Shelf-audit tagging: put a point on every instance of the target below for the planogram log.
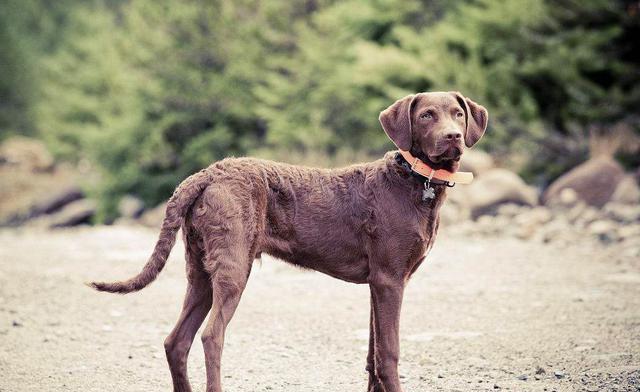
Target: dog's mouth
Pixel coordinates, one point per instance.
(451, 154)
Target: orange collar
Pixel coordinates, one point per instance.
(424, 170)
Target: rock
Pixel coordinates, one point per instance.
(535, 216)
(594, 181)
(76, 213)
(47, 205)
(627, 191)
(27, 153)
(540, 370)
(624, 213)
(153, 217)
(567, 198)
(577, 211)
(448, 214)
(602, 226)
(523, 377)
(125, 222)
(529, 220)
(509, 210)
(557, 231)
(455, 209)
(476, 161)
(559, 374)
(629, 232)
(587, 216)
(581, 215)
(605, 230)
(130, 207)
(57, 201)
(497, 187)
(486, 225)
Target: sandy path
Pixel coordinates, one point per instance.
(479, 315)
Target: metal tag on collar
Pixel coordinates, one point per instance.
(428, 192)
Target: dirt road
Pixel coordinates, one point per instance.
(479, 315)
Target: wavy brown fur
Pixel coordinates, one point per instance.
(366, 223)
(177, 207)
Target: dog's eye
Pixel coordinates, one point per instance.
(427, 115)
(459, 114)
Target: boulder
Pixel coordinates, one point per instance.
(48, 204)
(586, 216)
(27, 153)
(452, 213)
(627, 191)
(558, 230)
(567, 198)
(130, 207)
(594, 182)
(56, 201)
(511, 210)
(497, 187)
(529, 220)
(153, 217)
(534, 216)
(476, 161)
(623, 213)
(73, 214)
(629, 232)
(605, 230)
(30, 183)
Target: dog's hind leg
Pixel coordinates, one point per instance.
(231, 268)
(197, 303)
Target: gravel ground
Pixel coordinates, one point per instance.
(479, 315)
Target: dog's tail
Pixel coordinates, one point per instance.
(177, 207)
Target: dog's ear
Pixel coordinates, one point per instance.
(476, 117)
(396, 122)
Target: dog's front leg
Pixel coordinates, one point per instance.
(386, 295)
(374, 383)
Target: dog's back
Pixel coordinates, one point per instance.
(314, 218)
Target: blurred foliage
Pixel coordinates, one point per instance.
(150, 91)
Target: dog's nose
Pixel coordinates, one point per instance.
(452, 135)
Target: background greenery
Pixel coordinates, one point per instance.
(148, 91)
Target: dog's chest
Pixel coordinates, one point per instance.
(424, 229)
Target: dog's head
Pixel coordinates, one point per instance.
(433, 126)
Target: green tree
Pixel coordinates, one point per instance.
(150, 91)
(549, 75)
(28, 30)
(326, 92)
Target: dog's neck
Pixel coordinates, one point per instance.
(414, 184)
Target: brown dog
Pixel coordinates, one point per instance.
(367, 223)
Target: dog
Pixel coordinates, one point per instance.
(369, 223)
